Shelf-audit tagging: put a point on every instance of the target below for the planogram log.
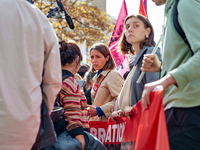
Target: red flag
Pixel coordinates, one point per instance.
(142, 9)
(119, 27)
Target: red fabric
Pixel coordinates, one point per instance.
(95, 87)
(147, 129)
(119, 27)
(142, 9)
(109, 133)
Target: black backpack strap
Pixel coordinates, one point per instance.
(178, 27)
(65, 76)
(57, 101)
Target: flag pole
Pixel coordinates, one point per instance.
(153, 52)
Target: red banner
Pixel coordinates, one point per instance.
(109, 133)
(147, 129)
(119, 27)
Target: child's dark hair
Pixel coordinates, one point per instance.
(89, 76)
(83, 69)
(69, 51)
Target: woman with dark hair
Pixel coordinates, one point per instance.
(73, 101)
(138, 40)
(88, 86)
(107, 83)
(144, 36)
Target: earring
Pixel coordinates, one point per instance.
(147, 36)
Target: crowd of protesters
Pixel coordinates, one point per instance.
(38, 69)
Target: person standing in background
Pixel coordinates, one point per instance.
(81, 72)
(88, 86)
(29, 57)
(83, 69)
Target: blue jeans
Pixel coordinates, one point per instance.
(67, 142)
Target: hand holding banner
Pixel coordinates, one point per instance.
(147, 129)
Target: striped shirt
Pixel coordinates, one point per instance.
(73, 100)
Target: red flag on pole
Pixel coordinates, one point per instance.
(142, 9)
(119, 27)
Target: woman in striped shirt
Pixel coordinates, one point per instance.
(71, 96)
(73, 100)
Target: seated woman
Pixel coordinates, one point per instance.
(107, 83)
(72, 99)
(137, 39)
